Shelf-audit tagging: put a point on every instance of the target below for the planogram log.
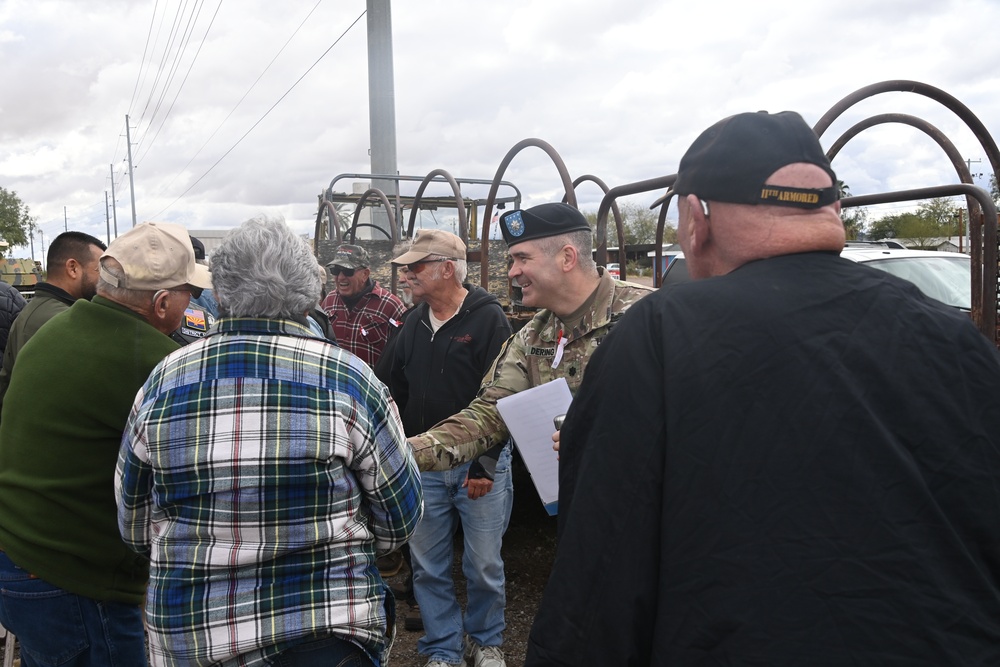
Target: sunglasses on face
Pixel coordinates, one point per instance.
(417, 267)
(337, 270)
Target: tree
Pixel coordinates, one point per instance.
(16, 221)
(854, 218)
(994, 189)
(934, 218)
(638, 223)
(942, 213)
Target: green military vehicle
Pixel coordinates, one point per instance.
(23, 274)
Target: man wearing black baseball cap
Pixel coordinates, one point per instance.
(791, 477)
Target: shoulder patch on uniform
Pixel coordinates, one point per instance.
(195, 319)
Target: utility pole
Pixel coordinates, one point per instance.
(107, 219)
(381, 105)
(968, 163)
(114, 207)
(131, 182)
(31, 238)
(41, 247)
(65, 221)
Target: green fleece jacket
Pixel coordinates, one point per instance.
(70, 394)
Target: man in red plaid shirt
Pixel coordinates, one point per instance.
(361, 312)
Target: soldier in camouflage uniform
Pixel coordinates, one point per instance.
(550, 246)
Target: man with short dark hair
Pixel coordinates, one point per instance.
(72, 274)
(71, 588)
(791, 460)
(361, 311)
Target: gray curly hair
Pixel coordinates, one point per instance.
(262, 269)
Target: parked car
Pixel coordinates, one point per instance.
(945, 276)
(614, 270)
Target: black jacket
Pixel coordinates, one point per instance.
(803, 471)
(11, 303)
(435, 375)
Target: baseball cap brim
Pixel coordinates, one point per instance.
(201, 277)
(411, 257)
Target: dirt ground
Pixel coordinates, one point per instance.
(528, 552)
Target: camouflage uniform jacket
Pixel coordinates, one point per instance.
(525, 361)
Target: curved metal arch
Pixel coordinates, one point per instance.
(913, 121)
(964, 175)
(394, 237)
(906, 86)
(463, 220)
(986, 320)
(638, 187)
(484, 273)
(989, 240)
(602, 223)
(661, 222)
(325, 205)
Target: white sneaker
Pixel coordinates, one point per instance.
(487, 656)
(442, 663)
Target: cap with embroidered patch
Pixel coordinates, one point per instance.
(350, 257)
(732, 160)
(541, 221)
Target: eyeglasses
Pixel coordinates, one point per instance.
(704, 207)
(337, 270)
(417, 267)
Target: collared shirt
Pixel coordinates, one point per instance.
(364, 328)
(526, 361)
(261, 469)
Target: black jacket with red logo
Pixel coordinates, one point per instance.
(435, 375)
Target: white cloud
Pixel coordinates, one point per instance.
(618, 89)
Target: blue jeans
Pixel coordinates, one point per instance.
(56, 627)
(484, 522)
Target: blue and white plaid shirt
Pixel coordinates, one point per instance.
(262, 469)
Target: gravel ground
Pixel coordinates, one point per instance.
(528, 551)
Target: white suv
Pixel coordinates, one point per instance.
(945, 276)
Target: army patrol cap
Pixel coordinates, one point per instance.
(155, 256)
(350, 257)
(432, 242)
(539, 222)
(732, 160)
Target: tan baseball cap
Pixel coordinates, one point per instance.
(154, 256)
(432, 242)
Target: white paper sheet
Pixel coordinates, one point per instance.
(528, 415)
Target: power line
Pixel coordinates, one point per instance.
(163, 60)
(266, 113)
(145, 50)
(181, 87)
(249, 90)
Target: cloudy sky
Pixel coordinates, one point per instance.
(236, 111)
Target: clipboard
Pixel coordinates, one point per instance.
(528, 415)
